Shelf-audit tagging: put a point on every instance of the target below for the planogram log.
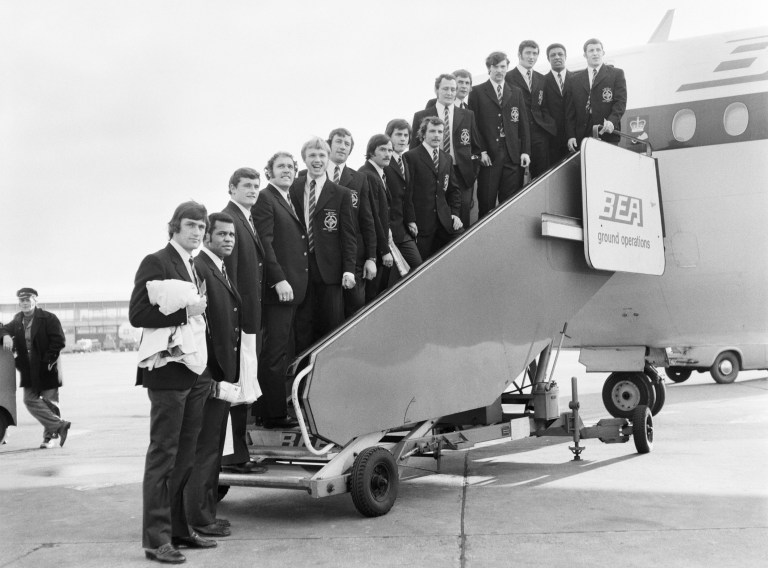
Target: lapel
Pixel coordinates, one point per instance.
(217, 273)
(490, 91)
(457, 114)
(297, 196)
(178, 263)
(380, 182)
(427, 159)
(520, 80)
(346, 177)
(396, 168)
(35, 324)
(283, 203)
(506, 97)
(327, 192)
(600, 76)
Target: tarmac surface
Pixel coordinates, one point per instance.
(700, 498)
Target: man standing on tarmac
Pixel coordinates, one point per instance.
(37, 337)
(598, 97)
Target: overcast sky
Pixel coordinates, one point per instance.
(113, 112)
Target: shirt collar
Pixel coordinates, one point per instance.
(214, 257)
(332, 168)
(429, 148)
(281, 192)
(457, 102)
(246, 212)
(524, 71)
(376, 166)
(185, 256)
(320, 182)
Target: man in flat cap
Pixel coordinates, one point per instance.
(37, 337)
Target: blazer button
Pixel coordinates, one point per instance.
(235, 309)
(237, 329)
(235, 347)
(302, 236)
(305, 254)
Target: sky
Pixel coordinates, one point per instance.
(113, 112)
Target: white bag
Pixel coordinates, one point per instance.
(249, 382)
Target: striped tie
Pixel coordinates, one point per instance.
(589, 105)
(528, 78)
(336, 175)
(447, 132)
(310, 237)
(436, 158)
(402, 167)
(250, 222)
(560, 82)
(499, 93)
(194, 274)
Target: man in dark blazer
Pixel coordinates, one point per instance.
(326, 210)
(503, 132)
(37, 337)
(540, 123)
(287, 274)
(402, 218)
(460, 140)
(224, 319)
(341, 143)
(556, 84)
(436, 195)
(377, 154)
(598, 97)
(176, 393)
(245, 267)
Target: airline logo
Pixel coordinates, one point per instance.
(622, 209)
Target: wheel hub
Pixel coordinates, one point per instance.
(726, 367)
(626, 395)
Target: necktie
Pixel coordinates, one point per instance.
(447, 131)
(589, 105)
(499, 93)
(384, 178)
(463, 105)
(560, 82)
(400, 164)
(336, 175)
(528, 78)
(310, 238)
(194, 273)
(436, 158)
(594, 74)
(224, 273)
(250, 222)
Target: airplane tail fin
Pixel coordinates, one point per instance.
(661, 34)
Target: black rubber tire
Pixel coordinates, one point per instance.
(625, 391)
(642, 429)
(660, 389)
(374, 481)
(720, 368)
(222, 492)
(678, 374)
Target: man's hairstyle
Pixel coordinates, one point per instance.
(398, 124)
(375, 141)
(343, 132)
(241, 173)
(591, 41)
(439, 79)
(314, 143)
(187, 210)
(220, 217)
(527, 43)
(463, 73)
(495, 58)
(271, 162)
(555, 46)
(426, 122)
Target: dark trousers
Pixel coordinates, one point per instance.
(354, 298)
(558, 149)
(201, 493)
(322, 310)
(175, 419)
(466, 197)
(377, 284)
(277, 351)
(429, 245)
(239, 415)
(500, 180)
(540, 140)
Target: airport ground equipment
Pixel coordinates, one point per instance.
(722, 362)
(430, 365)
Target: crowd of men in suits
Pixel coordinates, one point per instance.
(282, 266)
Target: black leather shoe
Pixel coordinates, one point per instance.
(247, 467)
(193, 541)
(276, 423)
(63, 431)
(214, 529)
(223, 522)
(166, 553)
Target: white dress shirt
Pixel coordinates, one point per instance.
(185, 256)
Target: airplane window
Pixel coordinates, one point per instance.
(684, 125)
(736, 118)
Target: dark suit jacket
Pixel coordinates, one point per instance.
(47, 342)
(555, 103)
(362, 214)
(436, 195)
(464, 137)
(332, 229)
(165, 264)
(401, 201)
(245, 267)
(380, 200)
(224, 318)
(607, 99)
(535, 99)
(284, 239)
(488, 116)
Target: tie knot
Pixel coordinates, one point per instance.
(312, 184)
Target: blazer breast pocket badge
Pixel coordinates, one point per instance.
(515, 115)
(354, 198)
(465, 136)
(541, 96)
(331, 221)
(445, 182)
(607, 95)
